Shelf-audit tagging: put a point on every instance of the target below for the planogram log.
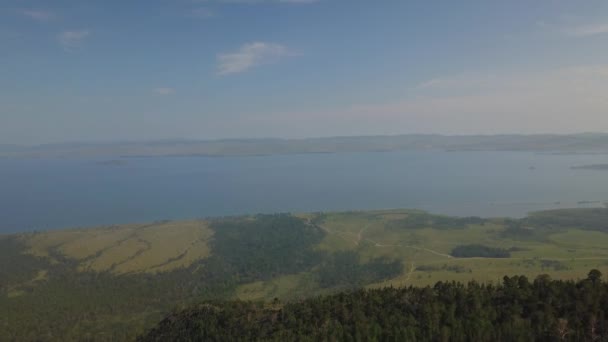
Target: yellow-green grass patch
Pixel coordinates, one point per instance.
(174, 244)
(113, 257)
(95, 241)
(286, 287)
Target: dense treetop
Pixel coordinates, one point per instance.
(516, 310)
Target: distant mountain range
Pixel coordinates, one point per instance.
(548, 143)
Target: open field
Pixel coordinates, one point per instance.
(563, 253)
(125, 249)
(425, 251)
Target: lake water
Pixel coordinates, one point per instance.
(47, 194)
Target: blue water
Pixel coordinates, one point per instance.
(47, 194)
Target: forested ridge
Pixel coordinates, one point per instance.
(516, 310)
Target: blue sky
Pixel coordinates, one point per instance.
(205, 69)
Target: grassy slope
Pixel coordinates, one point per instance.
(369, 234)
(564, 253)
(126, 249)
(168, 245)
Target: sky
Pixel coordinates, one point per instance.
(118, 70)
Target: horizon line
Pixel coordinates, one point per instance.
(253, 139)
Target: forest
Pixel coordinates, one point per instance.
(479, 251)
(515, 310)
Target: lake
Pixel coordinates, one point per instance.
(47, 194)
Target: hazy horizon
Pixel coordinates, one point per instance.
(216, 69)
(278, 138)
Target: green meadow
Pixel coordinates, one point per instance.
(118, 281)
(561, 252)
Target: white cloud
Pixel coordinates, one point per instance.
(451, 82)
(164, 91)
(564, 100)
(39, 15)
(587, 30)
(251, 55)
(72, 39)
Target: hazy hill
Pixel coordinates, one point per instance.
(578, 143)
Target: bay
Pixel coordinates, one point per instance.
(42, 194)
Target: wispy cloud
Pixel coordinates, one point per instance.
(72, 39)
(564, 100)
(164, 91)
(38, 15)
(251, 55)
(587, 30)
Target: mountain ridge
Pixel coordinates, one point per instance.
(572, 143)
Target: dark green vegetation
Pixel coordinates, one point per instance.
(599, 167)
(345, 270)
(260, 249)
(577, 143)
(114, 283)
(69, 304)
(16, 267)
(516, 310)
(479, 251)
(426, 220)
(588, 219)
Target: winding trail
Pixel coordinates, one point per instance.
(410, 272)
(377, 244)
(360, 235)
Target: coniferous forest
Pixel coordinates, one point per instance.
(516, 310)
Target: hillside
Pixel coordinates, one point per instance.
(116, 282)
(515, 310)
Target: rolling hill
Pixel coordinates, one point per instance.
(116, 282)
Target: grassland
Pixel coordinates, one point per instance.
(562, 253)
(144, 270)
(125, 249)
(425, 251)
(567, 253)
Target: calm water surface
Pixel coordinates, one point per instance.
(48, 194)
